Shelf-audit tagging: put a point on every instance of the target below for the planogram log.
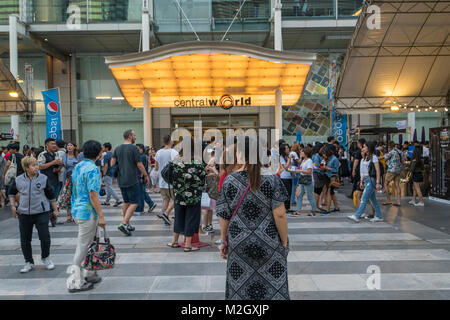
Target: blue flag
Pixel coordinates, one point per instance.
(52, 113)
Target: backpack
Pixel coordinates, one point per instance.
(212, 187)
(167, 173)
(12, 172)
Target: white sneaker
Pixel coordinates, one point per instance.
(27, 268)
(353, 217)
(48, 263)
(376, 219)
(419, 204)
(412, 202)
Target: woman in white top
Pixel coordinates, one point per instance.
(305, 181)
(286, 177)
(370, 182)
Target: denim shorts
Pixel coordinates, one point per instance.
(130, 194)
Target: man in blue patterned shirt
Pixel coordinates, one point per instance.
(394, 168)
(87, 212)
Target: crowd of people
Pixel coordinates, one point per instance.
(251, 199)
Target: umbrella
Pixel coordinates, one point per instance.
(400, 139)
(415, 135)
(423, 135)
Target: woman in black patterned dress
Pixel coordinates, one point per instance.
(257, 239)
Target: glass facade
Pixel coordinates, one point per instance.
(90, 11)
(304, 9)
(211, 15)
(100, 115)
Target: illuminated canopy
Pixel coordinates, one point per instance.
(405, 63)
(200, 73)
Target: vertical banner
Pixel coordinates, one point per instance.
(333, 113)
(52, 113)
(341, 129)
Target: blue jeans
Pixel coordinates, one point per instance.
(369, 194)
(109, 189)
(309, 189)
(294, 186)
(143, 196)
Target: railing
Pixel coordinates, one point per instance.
(307, 9)
(8, 7)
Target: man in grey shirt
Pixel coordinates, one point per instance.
(129, 161)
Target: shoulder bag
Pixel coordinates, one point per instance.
(225, 243)
(12, 171)
(305, 179)
(100, 255)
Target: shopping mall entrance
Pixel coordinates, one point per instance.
(204, 75)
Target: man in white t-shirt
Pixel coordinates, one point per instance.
(162, 158)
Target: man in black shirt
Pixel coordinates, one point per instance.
(129, 164)
(49, 166)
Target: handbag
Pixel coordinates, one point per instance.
(305, 179)
(225, 243)
(334, 181)
(12, 171)
(100, 255)
(206, 201)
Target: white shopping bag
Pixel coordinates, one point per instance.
(205, 200)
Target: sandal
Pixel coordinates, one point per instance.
(335, 210)
(397, 205)
(173, 245)
(189, 249)
(387, 203)
(70, 220)
(311, 214)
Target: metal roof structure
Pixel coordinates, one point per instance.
(9, 104)
(405, 63)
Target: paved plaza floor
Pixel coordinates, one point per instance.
(330, 257)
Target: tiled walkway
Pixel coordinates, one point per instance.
(329, 259)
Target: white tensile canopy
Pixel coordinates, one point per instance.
(405, 63)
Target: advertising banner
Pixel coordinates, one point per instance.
(52, 113)
(341, 129)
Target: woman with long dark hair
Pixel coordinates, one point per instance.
(286, 176)
(370, 182)
(69, 161)
(417, 168)
(254, 225)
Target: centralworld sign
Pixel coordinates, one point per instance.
(226, 102)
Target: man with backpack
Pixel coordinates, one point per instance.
(108, 176)
(394, 164)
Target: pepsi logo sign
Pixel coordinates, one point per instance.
(52, 108)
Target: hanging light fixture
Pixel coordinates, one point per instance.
(395, 108)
